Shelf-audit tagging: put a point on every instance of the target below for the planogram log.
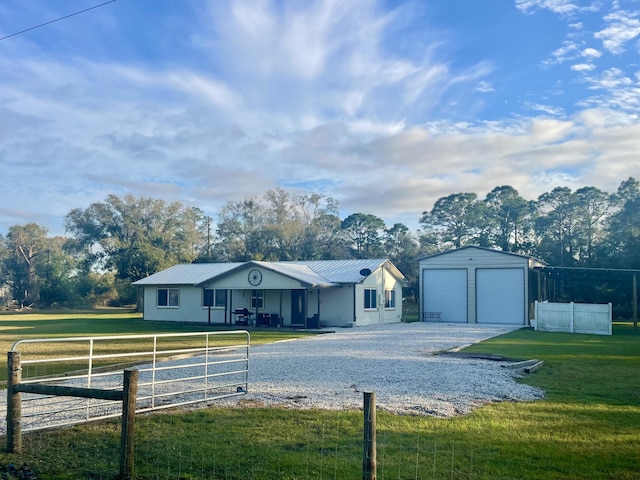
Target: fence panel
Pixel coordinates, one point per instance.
(553, 317)
(573, 317)
(593, 318)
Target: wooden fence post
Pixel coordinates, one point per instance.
(14, 403)
(127, 438)
(369, 466)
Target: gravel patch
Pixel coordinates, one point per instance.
(398, 362)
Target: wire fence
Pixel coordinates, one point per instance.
(201, 445)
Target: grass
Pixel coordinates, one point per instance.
(587, 427)
(578, 368)
(14, 327)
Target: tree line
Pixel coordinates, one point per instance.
(112, 243)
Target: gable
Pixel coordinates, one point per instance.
(478, 256)
(269, 276)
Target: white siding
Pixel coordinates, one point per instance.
(190, 309)
(336, 306)
(392, 315)
(380, 280)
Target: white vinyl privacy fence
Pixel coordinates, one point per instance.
(594, 318)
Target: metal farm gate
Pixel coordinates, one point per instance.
(173, 370)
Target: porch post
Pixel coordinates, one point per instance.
(306, 309)
(257, 304)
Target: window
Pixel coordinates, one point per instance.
(389, 299)
(370, 298)
(257, 299)
(214, 298)
(168, 297)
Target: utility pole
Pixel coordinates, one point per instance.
(208, 237)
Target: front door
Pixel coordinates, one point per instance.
(298, 307)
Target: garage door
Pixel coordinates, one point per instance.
(500, 295)
(445, 291)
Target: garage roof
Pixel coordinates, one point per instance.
(535, 262)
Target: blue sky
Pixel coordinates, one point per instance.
(385, 106)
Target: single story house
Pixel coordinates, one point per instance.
(476, 285)
(303, 294)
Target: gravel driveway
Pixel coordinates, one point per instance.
(396, 361)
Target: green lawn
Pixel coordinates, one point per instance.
(587, 427)
(14, 327)
(589, 369)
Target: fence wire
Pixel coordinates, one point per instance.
(208, 444)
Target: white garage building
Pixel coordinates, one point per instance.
(475, 285)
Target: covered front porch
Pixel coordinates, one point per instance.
(276, 308)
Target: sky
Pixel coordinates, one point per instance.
(384, 106)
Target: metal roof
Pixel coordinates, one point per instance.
(475, 247)
(343, 271)
(314, 273)
(188, 274)
(302, 273)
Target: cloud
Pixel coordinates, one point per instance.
(611, 79)
(217, 93)
(362, 103)
(298, 64)
(622, 27)
(562, 54)
(294, 39)
(549, 131)
(547, 109)
(561, 7)
(591, 53)
(612, 90)
(583, 67)
(484, 87)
